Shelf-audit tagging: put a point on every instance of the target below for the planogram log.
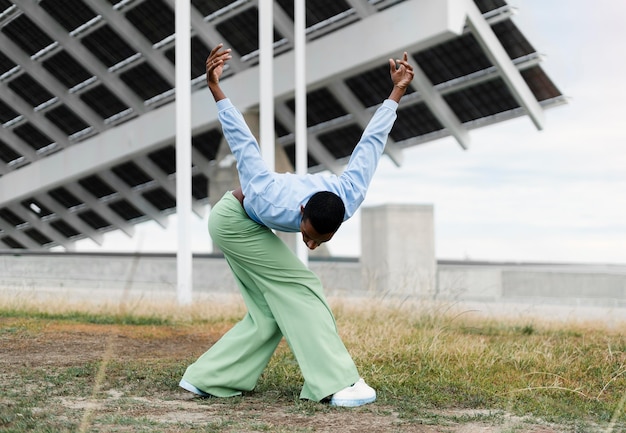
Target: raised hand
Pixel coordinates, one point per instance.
(215, 64)
(214, 68)
(401, 72)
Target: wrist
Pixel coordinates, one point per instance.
(216, 91)
(397, 93)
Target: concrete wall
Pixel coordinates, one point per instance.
(154, 275)
(591, 285)
(145, 275)
(398, 249)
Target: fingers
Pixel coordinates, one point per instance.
(395, 65)
(217, 57)
(215, 50)
(405, 62)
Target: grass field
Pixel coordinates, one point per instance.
(82, 368)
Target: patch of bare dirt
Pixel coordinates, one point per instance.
(68, 344)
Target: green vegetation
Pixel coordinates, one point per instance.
(428, 367)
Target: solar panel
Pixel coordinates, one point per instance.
(540, 84)
(199, 54)
(32, 136)
(27, 35)
(322, 106)
(341, 142)
(66, 120)
(37, 236)
(316, 10)
(207, 143)
(12, 243)
(126, 210)
(11, 217)
(160, 199)
(107, 46)
(452, 59)
(200, 187)
(165, 159)
(131, 174)
(512, 40)
(93, 219)
(103, 101)
(483, 100)
(64, 228)
(5, 4)
(36, 208)
(154, 19)
(243, 31)
(208, 7)
(96, 186)
(6, 64)
(71, 14)
(64, 197)
(66, 69)
(6, 112)
(414, 121)
(290, 150)
(7, 154)
(372, 86)
(488, 5)
(30, 90)
(145, 81)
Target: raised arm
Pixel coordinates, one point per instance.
(253, 171)
(365, 156)
(214, 68)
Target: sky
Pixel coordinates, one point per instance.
(517, 194)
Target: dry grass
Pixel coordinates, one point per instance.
(429, 363)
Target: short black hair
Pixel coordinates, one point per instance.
(325, 211)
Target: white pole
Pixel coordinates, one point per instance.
(183, 151)
(266, 72)
(300, 85)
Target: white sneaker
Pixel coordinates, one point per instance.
(189, 387)
(356, 395)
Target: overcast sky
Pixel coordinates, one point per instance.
(517, 194)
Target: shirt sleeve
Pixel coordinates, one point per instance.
(254, 175)
(356, 178)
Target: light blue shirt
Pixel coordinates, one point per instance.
(274, 199)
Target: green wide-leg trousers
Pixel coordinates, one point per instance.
(283, 298)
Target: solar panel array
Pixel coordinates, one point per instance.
(72, 69)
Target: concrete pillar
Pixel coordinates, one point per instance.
(398, 250)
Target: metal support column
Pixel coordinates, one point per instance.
(183, 152)
(301, 110)
(266, 72)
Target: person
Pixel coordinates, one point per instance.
(282, 296)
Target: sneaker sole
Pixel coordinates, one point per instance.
(189, 387)
(352, 403)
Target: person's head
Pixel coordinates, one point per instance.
(321, 217)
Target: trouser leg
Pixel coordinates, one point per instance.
(235, 362)
(285, 297)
